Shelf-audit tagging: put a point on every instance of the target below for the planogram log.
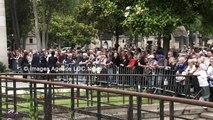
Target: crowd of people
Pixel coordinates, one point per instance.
(192, 61)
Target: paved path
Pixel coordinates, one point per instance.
(24, 85)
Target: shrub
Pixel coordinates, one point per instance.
(2, 67)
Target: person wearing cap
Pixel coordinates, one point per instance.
(162, 61)
(152, 63)
(84, 59)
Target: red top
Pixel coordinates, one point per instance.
(132, 63)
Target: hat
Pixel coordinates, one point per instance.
(84, 54)
(161, 56)
(151, 56)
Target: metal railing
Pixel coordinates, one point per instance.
(152, 83)
(42, 97)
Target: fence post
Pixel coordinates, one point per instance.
(171, 110)
(99, 104)
(161, 110)
(31, 99)
(130, 109)
(1, 100)
(14, 96)
(77, 91)
(87, 92)
(49, 100)
(6, 93)
(72, 103)
(45, 103)
(91, 84)
(139, 103)
(35, 102)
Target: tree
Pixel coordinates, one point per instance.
(162, 17)
(37, 34)
(66, 29)
(105, 15)
(18, 19)
(48, 8)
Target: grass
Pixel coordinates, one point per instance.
(26, 106)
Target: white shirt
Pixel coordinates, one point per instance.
(202, 78)
(207, 61)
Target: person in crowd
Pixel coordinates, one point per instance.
(127, 60)
(181, 65)
(170, 54)
(137, 53)
(43, 64)
(116, 59)
(152, 62)
(123, 64)
(210, 78)
(171, 64)
(132, 61)
(142, 63)
(110, 68)
(35, 64)
(162, 61)
(124, 61)
(191, 67)
(25, 65)
(203, 82)
(209, 54)
(52, 63)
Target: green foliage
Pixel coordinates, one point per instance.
(68, 30)
(104, 15)
(2, 67)
(147, 16)
(150, 17)
(24, 17)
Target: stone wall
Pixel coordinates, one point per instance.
(3, 34)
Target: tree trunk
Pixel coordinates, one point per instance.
(136, 41)
(159, 40)
(37, 35)
(166, 43)
(47, 41)
(24, 42)
(117, 39)
(49, 15)
(14, 37)
(44, 25)
(17, 36)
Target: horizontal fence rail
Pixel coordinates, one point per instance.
(169, 84)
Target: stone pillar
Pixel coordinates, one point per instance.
(3, 34)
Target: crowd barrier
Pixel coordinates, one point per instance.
(151, 80)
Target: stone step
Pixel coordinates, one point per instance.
(189, 117)
(210, 109)
(207, 115)
(190, 112)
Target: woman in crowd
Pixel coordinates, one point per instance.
(210, 78)
(203, 82)
(25, 64)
